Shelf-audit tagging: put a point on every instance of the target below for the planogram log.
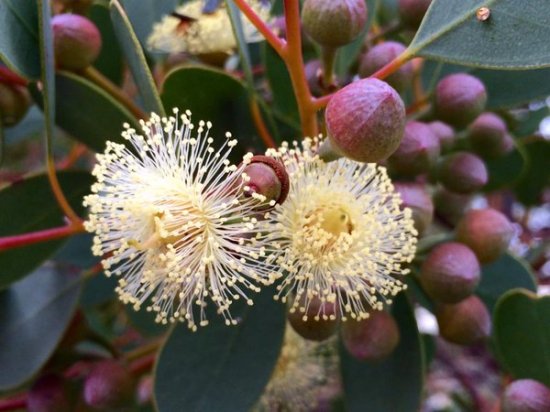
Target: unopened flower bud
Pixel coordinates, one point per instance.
(267, 177)
(412, 11)
(416, 197)
(487, 232)
(464, 323)
(450, 273)
(526, 395)
(314, 77)
(365, 121)
(334, 23)
(489, 136)
(451, 206)
(109, 384)
(49, 394)
(459, 99)
(317, 323)
(463, 172)
(445, 134)
(14, 103)
(371, 339)
(77, 41)
(382, 54)
(418, 150)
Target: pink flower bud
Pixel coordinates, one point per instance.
(382, 54)
(463, 172)
(464, 323)
(49, 394)
(489, 136)
(412, 11)
(14, 103)
(526, 395)
(317, 323)
(416, 197)
(109, 384)
(445, 134)
(268, 177)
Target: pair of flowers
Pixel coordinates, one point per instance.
(173, 220)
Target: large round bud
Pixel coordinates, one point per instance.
(109, 385)
(365, 121)
(371, 339)
(77, 41)
(318, 323)
(445, 134)
(49, 394)
(451, 206)
(416, 197)
(418, 150)
(14, 104)
(487, 232)
(334, 23)
(459, 99)
(526, 395)
(412, 11)
(382, 54)
(463, 172)
(267, 177)
(489, 136)
(450, 273)
(464, 323)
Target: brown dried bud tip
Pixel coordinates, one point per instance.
(417, 152)
(450, 273)
(445, 134)
(372, 339)
(317, 323)
(526, 395)
(77, 41)
(465, 323)
(382, 54)
(459, 99)
(489, 136)
(463, 172)
(412, 11)
(49, 394)
(267, 177)
(487, 232)
(14, 103)
(334, 23)
(365, 121)
(108, 385)
(416, 197)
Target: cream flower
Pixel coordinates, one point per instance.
(340, 236)
(202, 33)
(170, 219)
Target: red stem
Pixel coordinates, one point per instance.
(142, 365)
(9, 77)
(392, 66)
(25, 239)
(13, 404)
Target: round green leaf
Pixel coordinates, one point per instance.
(522, 334)
(28, 206)
(504, 171)
(34, 314)
(219, 367)
(506, 273)
(537, 175)
(514, 37)
(19, 39)
(394, 384)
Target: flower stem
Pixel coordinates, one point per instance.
(100, 80)
(260, 124)
(328, 55)
(11, 242)
(143, 350)
(56, 189)
(393, 66)
(142, 365)
(13, 404)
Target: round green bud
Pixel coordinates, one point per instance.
(14, 104)
(365, 121)
(417, 152)
(334, 23)
(318, 323)
(526, 395)
(445, 134)
(382, 54)
(371, 339)
(489, 136)
(412, 12)
(463, 172)
(487, 232)
(464, 323)
(267, 177)
(450, 206)
(416, 197)
(450, 273)
(49, 394)
(77, 41)
(108, 385)
(459, 99)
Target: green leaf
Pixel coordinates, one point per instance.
(394, 384)
(529, 123)
(101, 121)
(514, 37)
(144, 321)
(537, 176)
(522, 335)
(505, 171)
(136, 59)
(47, 72)
(219, 367)
(34, 314)
(145, 13)
(497, 278)
(19, 40)
(28, 206)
